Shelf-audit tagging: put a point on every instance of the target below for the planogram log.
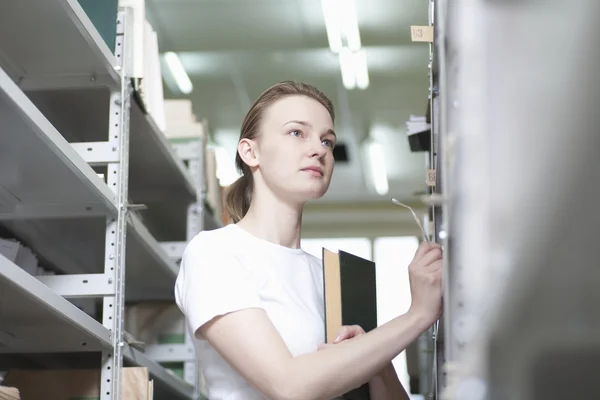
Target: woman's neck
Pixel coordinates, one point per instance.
(272, 219)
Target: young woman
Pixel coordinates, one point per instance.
(253, 299)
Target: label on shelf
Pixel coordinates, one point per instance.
(421, 33)
(430, 181)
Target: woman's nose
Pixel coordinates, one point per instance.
(317, 149)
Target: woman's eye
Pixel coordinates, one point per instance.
(296, 133)
(328, 143)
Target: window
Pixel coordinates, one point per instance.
(392, 256)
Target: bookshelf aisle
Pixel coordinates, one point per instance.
(93, 195)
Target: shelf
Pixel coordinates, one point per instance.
(166, 385)
(28, 308)
(157, 178)
(39, 170)
(53, 43)
(77, 245)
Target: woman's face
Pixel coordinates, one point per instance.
(295, 148)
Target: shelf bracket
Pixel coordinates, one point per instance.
(163, 353)
(80, 285)
(97, 153)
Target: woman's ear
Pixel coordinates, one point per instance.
(248, 151)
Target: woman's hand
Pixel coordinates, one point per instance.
(346, 332)
(425, 275)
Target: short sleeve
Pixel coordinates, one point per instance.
(212, 282)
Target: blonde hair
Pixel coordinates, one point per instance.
(239, 194)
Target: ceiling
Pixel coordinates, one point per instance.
(234, 49)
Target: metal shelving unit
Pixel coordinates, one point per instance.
(88, 181)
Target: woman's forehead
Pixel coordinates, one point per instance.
(298, 108)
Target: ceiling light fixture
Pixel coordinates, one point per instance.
(333, 24)
(181, 77)
(347, 68)
(354, 69)
(341, 24)
(377, 168)
(361, 69)
(347, 11)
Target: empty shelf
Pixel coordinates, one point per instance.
(53, 43)
(40, 173)
(28, 308)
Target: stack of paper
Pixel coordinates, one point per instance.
(417, 124)
(20, 255)
(146, 62)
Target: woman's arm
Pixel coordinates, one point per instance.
(385, 385)
(250, 343)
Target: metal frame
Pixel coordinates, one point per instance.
(116, 230)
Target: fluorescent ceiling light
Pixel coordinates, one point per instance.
(347, 67)
(350, 24)
(377, 167)
(361, 70)
(181, 77)
(341, 22)
(355, 72)
(333, 24)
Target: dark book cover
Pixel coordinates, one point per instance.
(350, 299)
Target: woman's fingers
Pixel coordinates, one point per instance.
(431, 256)
(425, 248)
(348, 332)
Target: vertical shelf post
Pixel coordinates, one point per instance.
(115, 247)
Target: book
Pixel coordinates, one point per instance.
(349, 284)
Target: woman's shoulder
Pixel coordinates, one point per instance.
(215, 241)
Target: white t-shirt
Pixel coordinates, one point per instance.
(229, 269)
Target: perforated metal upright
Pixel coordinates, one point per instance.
(116, 236)
(114, 154)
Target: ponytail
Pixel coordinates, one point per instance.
(238, 197)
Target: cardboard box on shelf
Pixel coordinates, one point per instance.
(9, 393)
(80, 383)
(180, 120)
(148, 322)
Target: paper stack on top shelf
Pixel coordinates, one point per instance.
(181, 123)
(22, 256)
(145, 65)
(417, 124)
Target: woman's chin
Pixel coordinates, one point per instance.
(314, 193)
